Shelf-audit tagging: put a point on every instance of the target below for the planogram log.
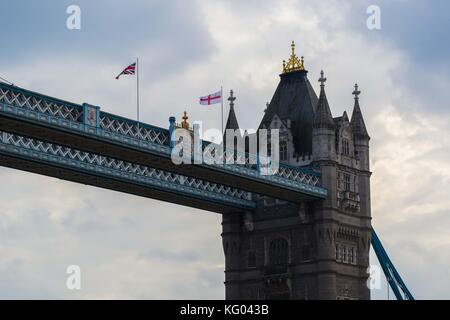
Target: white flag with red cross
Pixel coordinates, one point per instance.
(211, 98)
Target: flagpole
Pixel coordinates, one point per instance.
(137, 94)
(221, 100)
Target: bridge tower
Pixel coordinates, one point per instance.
(316, 249)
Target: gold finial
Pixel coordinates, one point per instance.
(185, 123)
(294, 63)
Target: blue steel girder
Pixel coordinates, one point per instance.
(394, 279)
(87, 128)
(63, 162)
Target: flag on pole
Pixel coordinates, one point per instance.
(131, 69)
(211, 98)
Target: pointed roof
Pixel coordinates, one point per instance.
(341, 121)
(357, 122)
(232, 122)
(294, 100)
(345, 116)
(323, 117)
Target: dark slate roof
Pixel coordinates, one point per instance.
(357, 122)
(323, 117)
(232, 122)
(296, 100)
(337, 120)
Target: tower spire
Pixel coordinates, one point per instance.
(357, 122)
(323, 117)
(232, 122)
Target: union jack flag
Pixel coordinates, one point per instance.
(131, 69)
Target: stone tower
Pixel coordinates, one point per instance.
(312, 250)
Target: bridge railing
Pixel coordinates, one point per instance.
(43, 104)
(138, 130)
(83, 114)
(252, 164)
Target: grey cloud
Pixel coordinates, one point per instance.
(170, 256)
(169, 35)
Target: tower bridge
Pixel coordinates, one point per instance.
(301, 233)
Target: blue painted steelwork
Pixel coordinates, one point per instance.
(30, 106)
(62, 115)
(97, 165)
(393, 277)
(299, 179)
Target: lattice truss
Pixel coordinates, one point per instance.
(291, 173)
(128, 168)
(297, 174)
(73, 112)
(132, 129)
(40, 104)
(231, 157)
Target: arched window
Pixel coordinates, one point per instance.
(345, 147)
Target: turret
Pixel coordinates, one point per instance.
(324, 135)
(232, 122)
(361, 140)
(360, 136)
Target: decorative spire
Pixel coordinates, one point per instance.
(294, 63)
(356, 92)
(232, 122)
(231, 98)
(185, 123)
(323, 117)
(322, 80)
(357, 122)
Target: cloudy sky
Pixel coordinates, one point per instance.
(130, 247)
